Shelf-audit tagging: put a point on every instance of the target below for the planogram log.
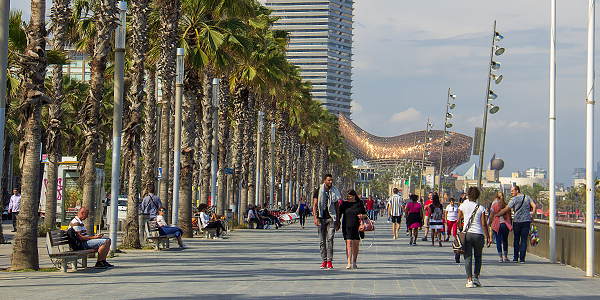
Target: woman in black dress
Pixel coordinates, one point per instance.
(351, 211)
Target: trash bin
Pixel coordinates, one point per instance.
(142, 219)
(229, 215)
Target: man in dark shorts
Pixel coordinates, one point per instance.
(395, 209)
(91, 242)
(326, 211)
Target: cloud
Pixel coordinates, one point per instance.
(408, 115)
(355, 107)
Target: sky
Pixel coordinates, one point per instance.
(407, 53)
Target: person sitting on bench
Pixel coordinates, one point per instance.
(165, 229)
(91, 242)
(207, 223)
(253, 217)
(267, 215)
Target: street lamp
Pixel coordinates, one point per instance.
(259, 132)
(490, 95)
(177, 151)
(119, 76)
(446, 135)
(425, 151)
(273, 136)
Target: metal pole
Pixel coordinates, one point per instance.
(298, 175)
(485, 113)
(291, 167)
(423, 160)
(443, 142)
(283, 171)
(4, 14)
(177, 149)
(589, 156)
(552, 146)
(215, 142)
(119, 75)
(272, 191)
(259, 132)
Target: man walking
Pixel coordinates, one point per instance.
(326, 212)
(523, 207)
(395, 209)
(151, 203)
(370, 204)
(14, 206)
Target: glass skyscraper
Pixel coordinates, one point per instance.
(321, 45)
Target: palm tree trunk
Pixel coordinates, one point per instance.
(133, 129)
(224, 123)
(89, 122)
(169, 13)
(60, 18)
(149, 140)
(196, 176)
(251, 140)
(237, 145)
(25, 249)
(207, 135)
(188, 137)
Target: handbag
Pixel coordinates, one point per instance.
(459, 241)
(366, 225)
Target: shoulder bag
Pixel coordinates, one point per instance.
(459, 241)
(366, 224)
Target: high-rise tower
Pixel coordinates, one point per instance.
(321, 45)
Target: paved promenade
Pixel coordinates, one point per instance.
(284, 264)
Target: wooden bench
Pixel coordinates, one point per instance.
(153, 235)
(59, 240)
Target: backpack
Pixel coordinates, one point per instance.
(437, 213)
(73, 239)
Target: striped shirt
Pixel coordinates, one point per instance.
(78, 226)
(395, 204)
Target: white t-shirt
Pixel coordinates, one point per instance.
(452, 212)
(467, 208)
(78, 226)
(204, 219)
(160, 220)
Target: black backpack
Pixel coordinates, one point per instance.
(74, 240)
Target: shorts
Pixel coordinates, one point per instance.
(396, 219)
(94, 243)
(426, 225)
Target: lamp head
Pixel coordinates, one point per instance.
(452, 106)
(448, 125)
(448, 143)
(497, 78)
(492, 95)
(452, 96)
(495, 66)
(449, 115)
(494, 109)
(498, 37)
(499, 51)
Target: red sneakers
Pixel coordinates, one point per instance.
(329, 265)
(324, 265)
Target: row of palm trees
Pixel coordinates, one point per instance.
(232, 40)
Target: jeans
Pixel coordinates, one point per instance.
(502, 239)
(302, 216)
(370, 214)
(473, 242)
(15, 214)
(326, 233)
(521, 232)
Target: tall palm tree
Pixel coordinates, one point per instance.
(89, 119)
(33, 62)
(60, 18)
(169, 14)
(133, 129)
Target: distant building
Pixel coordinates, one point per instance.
(321, 45)
(578, 173)
(536, 173)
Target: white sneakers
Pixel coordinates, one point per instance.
(474, 283)
(470, 284)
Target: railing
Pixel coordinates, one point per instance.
(570, 243)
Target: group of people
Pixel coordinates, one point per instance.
(262, 217)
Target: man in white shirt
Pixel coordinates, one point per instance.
(91, 242)
(395, 208)
(14, 206)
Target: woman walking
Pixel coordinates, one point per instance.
(351, 211)
(436, 220)
(302, 211)
(414, 219)
(501, 225)
(477, 234)
(451, 217)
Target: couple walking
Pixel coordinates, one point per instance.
(327, 213)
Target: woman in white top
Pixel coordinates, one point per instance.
(477, 234)
(206, 223)
(165, 229)
(451, 215)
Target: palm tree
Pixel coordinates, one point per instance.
(33, 62)
(133, 128)
(169, 13)
(60, 18)
(89, 119)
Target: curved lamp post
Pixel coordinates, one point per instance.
(425, 151)
(447, 125)
(490, 95)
